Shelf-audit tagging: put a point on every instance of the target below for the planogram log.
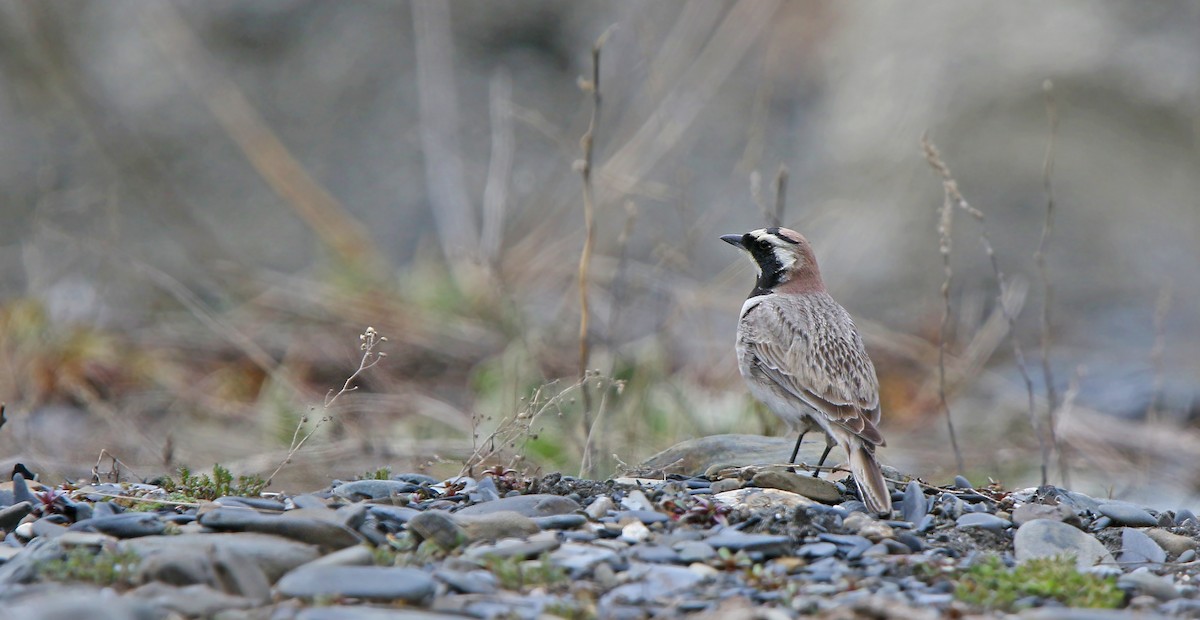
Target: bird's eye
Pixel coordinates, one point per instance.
(764, 244)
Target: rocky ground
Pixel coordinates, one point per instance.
(731, 542)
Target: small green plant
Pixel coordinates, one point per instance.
(383, 473)
(991, 585)
(106, 567)
(222, 484)
(513, 573)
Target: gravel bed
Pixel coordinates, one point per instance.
(761, 542)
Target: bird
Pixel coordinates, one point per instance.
(801, 355)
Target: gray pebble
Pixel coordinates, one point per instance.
(1046, 538)
(655, 554)
(961, 482)
(126, 525)
(417, 479)
(1100, 524)
(735, 541)
(440, 527)
(982, 520)
(477, 581)
(366, 582)
(913, 507)
(1138, 549)
(1146, 582)
(560, 522)
(292, 524)
(694, 551)
(1186, 556)
(926, 524)
(372, 489)
(817, 550)
(10, 516)
(645, 516)
(1127, 514)
(537, 505)
(1183, 515)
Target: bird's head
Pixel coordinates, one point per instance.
(783, 257)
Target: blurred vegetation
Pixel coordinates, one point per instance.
(992, 585)
(213, 199)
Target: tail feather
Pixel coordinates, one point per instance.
(871, 485)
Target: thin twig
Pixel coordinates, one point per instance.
(1039, 257)
(370, 340)
(781, 183)
(587, 144)
(955, 197)
(945, 227)
(500, 164)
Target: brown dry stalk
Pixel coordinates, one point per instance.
(955, 198)
(369, 341)
(945, 226)
(1039, 258)
(587, 144)
(1162, 306)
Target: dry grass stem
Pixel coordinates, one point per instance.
(369, 341)
(500, 165)
(945, 227)
(1039, 258)
(955, 198)
(1063, 410)
(587, 145)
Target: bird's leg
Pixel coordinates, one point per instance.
(796, 450)
(829, 442)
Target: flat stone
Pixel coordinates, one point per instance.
(579, 560)
(360, 612)
(698, 455)
(373, 489)
(1174, 544)
(655, 554)
(767, 544)
(817, 550)
(1127, 514)
(600, 507)
(650, 582)
(468, 582)
(125, 525)
(83, 602)
(1055, 512)
(274, 555)
(1045, 538)
(560, 522)
(695, 551)
(812, 488)
(366, 582)
(194, 601)
(1138, 549)
(647, 517)
(725, 485)
(537, 505)
(635, 532)
(763, 500)
(10, 516)
(636, 500)
(913, 507)
(497, 525)
(982, 520)
(392, 514)
(320, 532)
(514, 548)
(440, 527)
(1145, 582)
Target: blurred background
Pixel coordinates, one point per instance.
(206, 202)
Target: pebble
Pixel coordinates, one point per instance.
(695, 551)
(635, 532)
(913, 506)
(538, 505)
(1138, 549)
(1173, 544)
(366, 582)
(373, 489)
(1145, 582)
(982, 520)
(1044, 538)
(1127, 514)
(600, 507)
(324, 533)
(733, 540)
(1055, 512)
(812, 488)
(126, 525)
(439, 527)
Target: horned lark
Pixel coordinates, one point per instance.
(800, 354)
